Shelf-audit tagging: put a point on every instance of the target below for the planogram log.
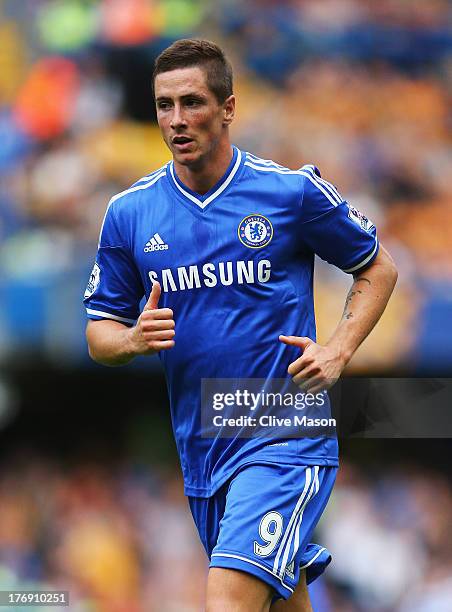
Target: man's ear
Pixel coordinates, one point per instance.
(228, 110)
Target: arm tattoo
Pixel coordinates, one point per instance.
(353, 291)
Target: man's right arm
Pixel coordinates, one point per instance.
(113, 344)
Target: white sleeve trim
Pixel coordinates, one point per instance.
(363, 263)
(107, 315)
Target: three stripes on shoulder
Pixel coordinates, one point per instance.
(309, 171)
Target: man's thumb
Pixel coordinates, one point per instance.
(153, 300)
(300, 341)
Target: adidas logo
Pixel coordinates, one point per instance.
(155, 244)
(290, 570)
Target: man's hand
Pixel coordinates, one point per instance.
(319, 366)
(111, 343)
(154, 330)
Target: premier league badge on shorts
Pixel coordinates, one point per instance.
(255, 231)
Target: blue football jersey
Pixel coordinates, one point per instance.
(236, 267)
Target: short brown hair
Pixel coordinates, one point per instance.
(189, 52)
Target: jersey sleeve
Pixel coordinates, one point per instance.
(332, 228)
(114, 288)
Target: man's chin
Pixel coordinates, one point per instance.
(187, 158)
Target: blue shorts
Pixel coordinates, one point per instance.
(261, 522)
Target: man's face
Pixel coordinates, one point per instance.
(191, 119)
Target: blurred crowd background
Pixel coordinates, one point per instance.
(360, 88)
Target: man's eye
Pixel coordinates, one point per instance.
(163, 105)
(192, 102)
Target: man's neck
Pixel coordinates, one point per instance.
(208, 172)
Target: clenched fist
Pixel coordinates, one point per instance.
(155, 328)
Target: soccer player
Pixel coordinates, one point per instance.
(222, 245)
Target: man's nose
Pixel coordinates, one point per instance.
(178, 119)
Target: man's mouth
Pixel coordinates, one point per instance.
(181, 140)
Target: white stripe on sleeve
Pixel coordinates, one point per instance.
(364, 261)
(107, 315)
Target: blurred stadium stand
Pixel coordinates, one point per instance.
(90, 496)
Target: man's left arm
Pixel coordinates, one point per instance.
(321, 365)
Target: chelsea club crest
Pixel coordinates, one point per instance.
(255, 231)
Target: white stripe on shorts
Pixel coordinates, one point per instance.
(256, 564)
(297, 525)
(293, 517)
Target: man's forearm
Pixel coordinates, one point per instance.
(109, 343)
(114, 344)
(364, 305)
